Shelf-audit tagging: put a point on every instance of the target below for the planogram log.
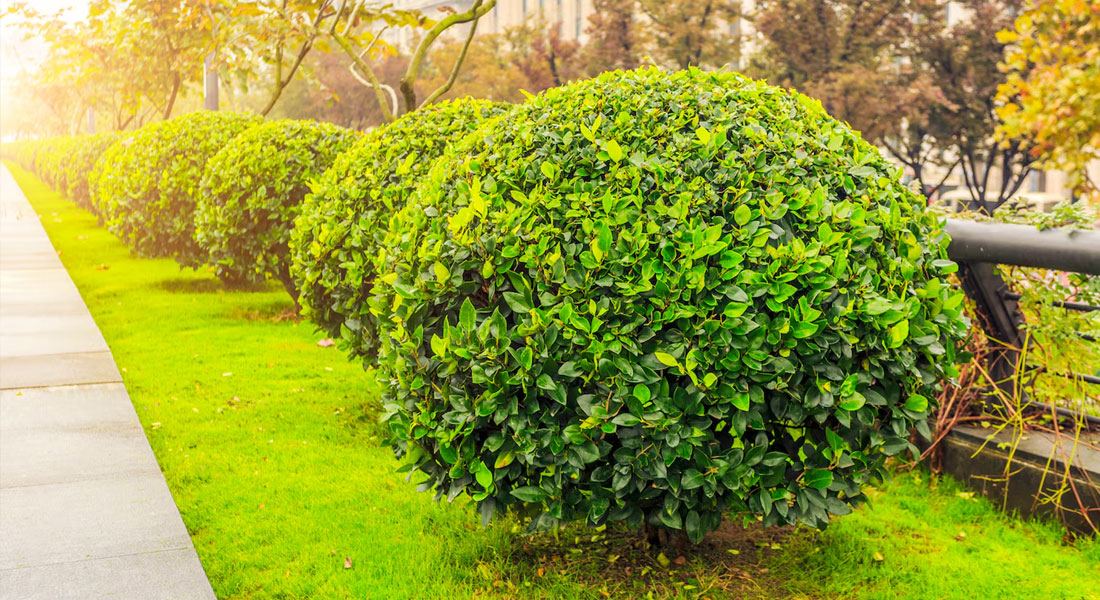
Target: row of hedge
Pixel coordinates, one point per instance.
(650, 297)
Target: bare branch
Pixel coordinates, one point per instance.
(475, 12)
(443, 89)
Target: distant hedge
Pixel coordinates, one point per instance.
(662, 298)
(145, 185)
(49, 161)
(253, 190)
(336, 240)
(78, 166)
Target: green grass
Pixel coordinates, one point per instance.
(267, 444)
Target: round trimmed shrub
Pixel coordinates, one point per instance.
(252, 191)
(335, 242)
(80, 162)
(663, 298)
(145, 185)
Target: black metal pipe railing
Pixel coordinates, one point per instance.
(977, 247)
(1066, 304)
(1024, 246)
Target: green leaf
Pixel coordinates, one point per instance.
(666, 359)
(517, 302)
(613, 150)
(916, 403)
(897, 334)
(529, 493)
(642, 392)
(604, 238)
(484, 476)
(692, 479)
(694, 528)
(742, 215)
(504, 460)
(467, 316)
(853, 402)
(441, 272)
(545, 382)
(803, 330)
(818, 479)
(740, 401)
(626, 420)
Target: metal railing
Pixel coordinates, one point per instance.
(977, 248)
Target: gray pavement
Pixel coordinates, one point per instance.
(84, 509)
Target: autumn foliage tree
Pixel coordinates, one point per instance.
(1052, 92)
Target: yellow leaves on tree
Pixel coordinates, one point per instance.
(1052, 92)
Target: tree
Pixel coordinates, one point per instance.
(1052, 93)
(686, 33)
(614, 37)
(963, 59)
(352, 33)
(857, 57)
(918, 86)
(527, 58)
(125, 58)
(268, 39)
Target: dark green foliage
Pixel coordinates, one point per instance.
(335, 243)
(144, 186)
(663, 298)
(253, 190)
(79, 164)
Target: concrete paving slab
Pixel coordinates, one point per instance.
(57, 369)
(48, 524)
(149, 576)
(58, 341)
(53, 435)
(28, 322)
(84, 509)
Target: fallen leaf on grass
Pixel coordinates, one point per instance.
(325, 343)
(99, 267)
(665, 562)
(347, 562)
(679, 560)
(878, 557)
(155, 425)
(961, 536)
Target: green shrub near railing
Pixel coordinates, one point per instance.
(252, 191)
(662, 298)
(336, 240)
(145, 185)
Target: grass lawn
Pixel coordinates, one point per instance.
(269, 448)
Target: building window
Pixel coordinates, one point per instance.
(524, 9)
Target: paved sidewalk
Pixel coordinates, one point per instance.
(84, 509)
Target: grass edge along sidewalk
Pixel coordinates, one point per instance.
(277, 471)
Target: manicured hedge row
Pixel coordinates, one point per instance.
(336, 241)
(145, 186)
(657, 298)
(253, 189)
(82, 160)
